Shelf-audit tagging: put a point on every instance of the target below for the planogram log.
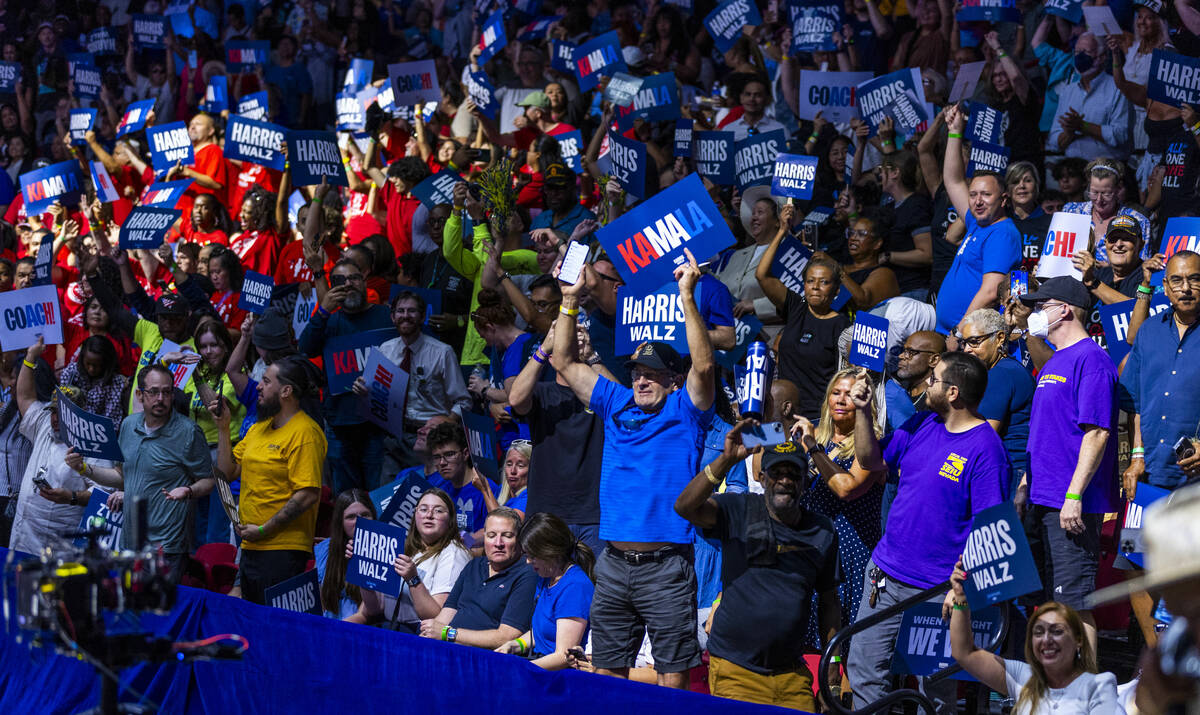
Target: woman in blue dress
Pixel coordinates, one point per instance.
(842, 490)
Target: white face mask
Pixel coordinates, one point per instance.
(1039, 324)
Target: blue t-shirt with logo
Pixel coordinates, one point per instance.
(472, 512)
(945, 480)
(571, 597)
(648, 459)
(995, 248)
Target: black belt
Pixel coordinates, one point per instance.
(638, 558)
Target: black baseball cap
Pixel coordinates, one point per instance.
(1064, 288)
(172, 304)
(656, 356)
(786, 453)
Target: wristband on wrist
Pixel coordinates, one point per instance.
(836, 659)
(1074, 497)
(539, 357)
(322, 311)
(885, 142)
(568, 311)
(955, 135)
(959, 606)
(712, 478)
(1137, 456)
(1138, 450)
(262, 531)
(29, 365)
(1145, 289)
(316, 200)
(445, 629)
(813, 137)
(522, 646)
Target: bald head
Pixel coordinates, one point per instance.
(784, 398)
(920, 351)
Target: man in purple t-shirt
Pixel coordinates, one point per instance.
(1072, 459)
(952, 466)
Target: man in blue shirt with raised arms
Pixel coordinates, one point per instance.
(952, 466)
(992, 246)
(653, 434)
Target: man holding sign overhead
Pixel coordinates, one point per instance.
(645, 578)
(953, 466)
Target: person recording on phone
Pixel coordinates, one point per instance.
(776, 555)
(355, 445)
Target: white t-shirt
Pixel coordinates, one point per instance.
(438, 574)
(1087, 694)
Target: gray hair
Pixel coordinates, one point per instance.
(986, 319)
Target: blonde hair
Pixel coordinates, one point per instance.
(1085, 659)
(525, 449)
(824, 430)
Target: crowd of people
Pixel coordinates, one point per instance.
(628, 528)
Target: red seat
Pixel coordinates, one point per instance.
(212, 567)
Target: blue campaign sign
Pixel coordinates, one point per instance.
(713, 154)
(28, 313)
(1071, 10)
(621, 88)
(313, 156)
(114, 521)
(301, 594)
(874, 96)
(255, 142)
(359, 74)
(907, 114)
(997, 558)
(1115, 318)
(629, 161)
(106, 190)
(58, 182)
(683, 138)
(492, 38)
(10, 74)
(253, 106)
(869, 348)
(598, 56)
(813, 24)
(571, 144)
(794, 176)
(351, 115)
(790, 260)
(382, 496)
(437, 188)
(149, 31)
(1134, 520)
(536, 30)
(483, 443)
(165, 194)
(986, 124)
(102, 41)
(345, 357)
(987, 157)
(1180, 233)
(482, 93)
(988, 11)
(414, 82)
(205, 21)
(43, 266)
(216, 95)
(647, 242)
(923, 641)
(170, 144)
(398, 509)
(830, 93)
(656, 100)
(754, 158)
(256, 292)
(90, 435)
(147, 226)
(1174, 79)
(376, 546)
(134, 119)
(562, 56)
(86, 79)
(244, 55)
(656, 317)
(745, 331)
(725, 23)
(81, 122)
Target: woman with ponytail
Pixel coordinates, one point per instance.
(1058, 674)
(563, 598)
(338, 598)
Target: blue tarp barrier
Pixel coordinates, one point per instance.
(303, 663)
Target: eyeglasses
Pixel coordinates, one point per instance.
(158, 391)
(859, 232)
(978, 339)
(601, 276)
(1047, 305)
(1101, 195)
(435, 510)
(931, 380)
(447, 456)
(1176, 282)
(913, 352)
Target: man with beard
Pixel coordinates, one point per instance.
(954, 466)
(435, 382)
(279, 462)
(905, 394)
(167, 462)
(355, 445)
(776, 555)
(563, 212)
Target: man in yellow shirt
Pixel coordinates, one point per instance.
(280, 463)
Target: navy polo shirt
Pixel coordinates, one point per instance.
(484, 602)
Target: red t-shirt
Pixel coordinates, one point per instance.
(293, 269)
(400, 210)
(258, 250)
(226, 305)
(246, 176)
(210, 161)
(205, 237)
